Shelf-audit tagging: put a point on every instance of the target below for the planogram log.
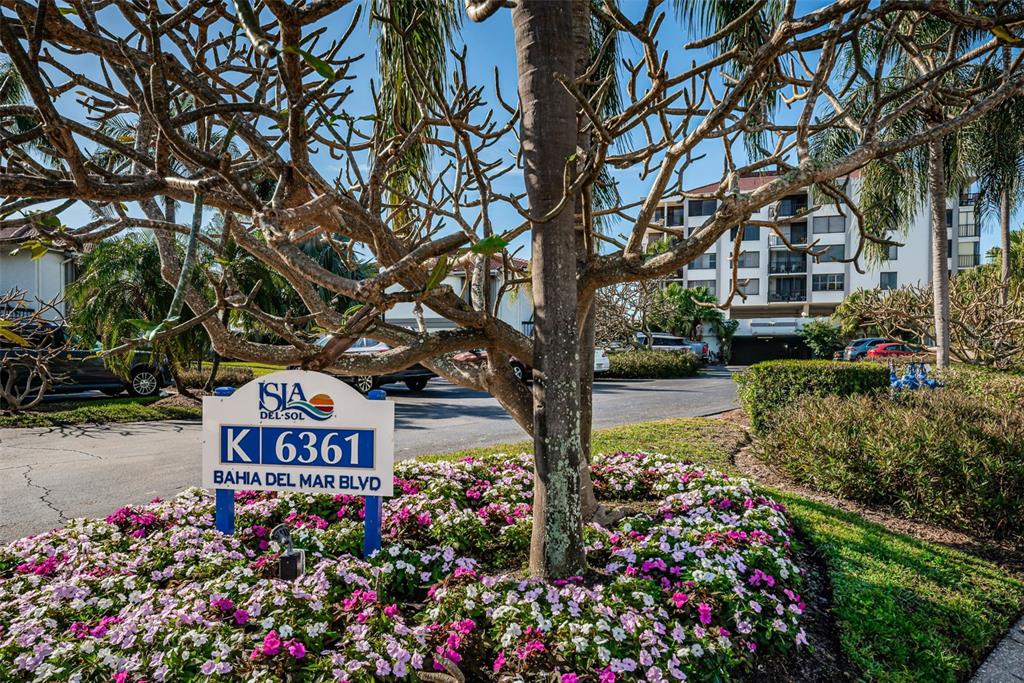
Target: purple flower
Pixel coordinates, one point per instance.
(241, 617)
(271, 644)
(704, 612)
(296, 649)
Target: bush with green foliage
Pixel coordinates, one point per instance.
(943, 456)
(645, 364)
(767, 387)
(821, 336)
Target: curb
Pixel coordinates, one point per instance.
(1005, 664)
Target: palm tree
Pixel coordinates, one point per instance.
(893, 189)
(120, 283)
(995, 146)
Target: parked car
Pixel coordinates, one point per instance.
(660, 341)
(893, 350)
(415, 377)
(75, 370)
(858, 348)
(523, 371)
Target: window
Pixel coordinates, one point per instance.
(887, 280)
(828, 282)
(659, 215)
(705, 261)
(949, 248)
(706, 284)
(703, 207)
(749, 259)
(891, 252)
(676, 215)
(793, 204)
(752, 286)
(827, 224)
(751, 233)
(949, 218)
(833, 253)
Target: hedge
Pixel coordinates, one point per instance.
(767, 387)
(226, 377)
(645, 364)
(943, 456)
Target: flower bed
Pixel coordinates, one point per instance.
(696, 585)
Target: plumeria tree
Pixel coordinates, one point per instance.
(256, 113)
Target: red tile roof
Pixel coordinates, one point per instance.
(747, 183)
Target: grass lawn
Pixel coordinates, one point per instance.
(100, 411)
(258, 369)
(907, 610)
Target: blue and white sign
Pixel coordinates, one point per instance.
(299, 431)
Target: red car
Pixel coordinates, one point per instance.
(893, 350)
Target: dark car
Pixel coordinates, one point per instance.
(859, 348)
(415, 377)
(76, 370)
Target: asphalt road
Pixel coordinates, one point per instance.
(49, 475)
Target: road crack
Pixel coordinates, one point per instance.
(45, 497)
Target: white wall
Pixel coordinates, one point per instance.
(39, 279)
(515, 307)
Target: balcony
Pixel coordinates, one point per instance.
(968, 198)
(968, 260)
(969, 230)
(786, 297)
(776, 242)
(787, 263)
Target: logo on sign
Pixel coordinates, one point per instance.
(285, 401)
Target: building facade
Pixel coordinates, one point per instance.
(40, 281)
(782, 288)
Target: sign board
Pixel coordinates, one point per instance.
(296, 430)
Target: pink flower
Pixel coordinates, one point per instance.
(296, 649)
(680, 599)
(499, 662)
(704, 611)
(391, 611)
(606, 676)
(570, 678)
(241, 617)
(271, 644)
(120, 677)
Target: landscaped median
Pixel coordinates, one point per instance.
(700, 579)
(100, 411)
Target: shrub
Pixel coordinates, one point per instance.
(226, 377)
(821, 337)
(767, 387)
(941, 456)
(645, 364)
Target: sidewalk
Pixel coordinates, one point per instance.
(1006, 663)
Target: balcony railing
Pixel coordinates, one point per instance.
(787, 268)
(968, 198)
(776, 241)
(968, 260)
(527, 327)
(786, 297)
(969, 230)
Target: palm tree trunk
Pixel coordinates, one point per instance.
(1005, 269)
(940, 257)
(225, 318)
(548, 114)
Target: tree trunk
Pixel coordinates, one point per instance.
(940, 250)
(583, 36)
(548, 136)
(225, 318)
(1005, 269)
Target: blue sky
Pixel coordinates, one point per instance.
(490, 47)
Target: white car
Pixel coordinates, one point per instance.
(601, 362)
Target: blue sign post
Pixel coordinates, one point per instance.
(299, 431)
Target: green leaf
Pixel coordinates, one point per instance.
(50, 221)
(11, 336)
(489, 245)
(319, 65)
(438, 272)
(67, 10)
(39, 251)
(141, 325)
